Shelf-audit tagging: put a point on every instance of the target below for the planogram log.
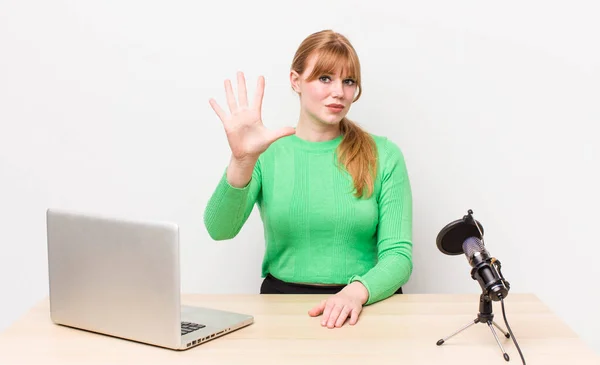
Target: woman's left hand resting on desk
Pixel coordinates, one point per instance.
(348, 302)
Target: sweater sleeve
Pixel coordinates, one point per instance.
(394, 231)
(229, 207)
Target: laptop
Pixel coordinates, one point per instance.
(121, 278)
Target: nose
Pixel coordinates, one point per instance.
(337, 89)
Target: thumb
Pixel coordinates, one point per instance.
(318, 309)
(280, 133)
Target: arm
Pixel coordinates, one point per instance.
(233, 199)
(235, 195)
(394, 232)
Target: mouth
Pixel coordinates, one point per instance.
(335, 107)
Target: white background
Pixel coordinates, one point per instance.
(104, 108)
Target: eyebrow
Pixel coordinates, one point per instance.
(325, 73)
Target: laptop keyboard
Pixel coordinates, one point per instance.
(187, 327)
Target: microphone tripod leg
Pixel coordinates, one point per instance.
(506, 334)
(485, 316)
(441, 342)
(506, 357)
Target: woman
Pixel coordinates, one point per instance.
(335, 200)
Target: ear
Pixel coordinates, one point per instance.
(295, 81)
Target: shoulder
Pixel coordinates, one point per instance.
(390, 158)
(386, 148)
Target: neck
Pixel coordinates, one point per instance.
(314, 131)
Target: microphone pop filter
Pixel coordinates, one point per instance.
(451, 237)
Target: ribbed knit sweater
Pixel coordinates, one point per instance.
(315, 229)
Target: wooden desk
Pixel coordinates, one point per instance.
(401, 330)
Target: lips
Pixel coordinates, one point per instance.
(335, 107)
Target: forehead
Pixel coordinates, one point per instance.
(330, 64)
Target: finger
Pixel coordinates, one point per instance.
(333, 317)
(242, 93)
(342, 317)
(230, 98)
(258, 95)
(318, 309)
(220, 112)
(326, 313)
(354, 315)
(280, 133)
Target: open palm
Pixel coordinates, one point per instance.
(246, 134)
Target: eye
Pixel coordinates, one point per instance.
(324, 78)
(349, 82)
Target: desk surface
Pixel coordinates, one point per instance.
(403, 329)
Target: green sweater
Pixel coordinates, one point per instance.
(315, 229)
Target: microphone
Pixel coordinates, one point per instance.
(486, 269)
(465, 236)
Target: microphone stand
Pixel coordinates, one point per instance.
(485, 316)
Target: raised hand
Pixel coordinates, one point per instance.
(246, 134)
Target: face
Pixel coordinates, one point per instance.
(327, 99)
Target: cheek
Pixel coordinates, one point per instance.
(317, 92)
(350, 92)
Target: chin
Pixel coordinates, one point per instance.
(331, 119)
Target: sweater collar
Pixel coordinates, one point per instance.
(321, 146)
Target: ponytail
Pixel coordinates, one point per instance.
(358, 154)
